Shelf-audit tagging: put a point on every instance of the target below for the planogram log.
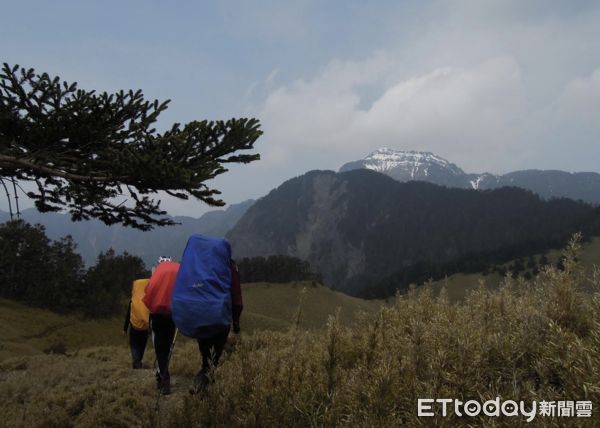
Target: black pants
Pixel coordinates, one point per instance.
(137, 343)
(211, 349)
(163, 331)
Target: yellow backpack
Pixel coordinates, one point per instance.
(140, 315)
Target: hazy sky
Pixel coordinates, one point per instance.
(490, 85)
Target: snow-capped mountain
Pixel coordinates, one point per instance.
(411, 166)
(425, 166)
(416, 163)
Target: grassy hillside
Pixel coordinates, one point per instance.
(29, 331)
(275, 306)
(57, 370)
(524, 340)
(459, 285)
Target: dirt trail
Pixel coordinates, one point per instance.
(180, 387)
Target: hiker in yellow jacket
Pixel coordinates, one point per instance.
(137, 321)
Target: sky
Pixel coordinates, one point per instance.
(493, 86)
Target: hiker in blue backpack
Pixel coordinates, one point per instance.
(207, 300)
(212, 347)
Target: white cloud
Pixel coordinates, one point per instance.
(580, 101)
(271, 77)
(568, 130)
(463, 113)
(490, 85)
(317, 113)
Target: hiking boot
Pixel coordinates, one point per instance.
(200, 384)
(165, 385)
(137, 364)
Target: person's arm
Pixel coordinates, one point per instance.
(236, 297)
(127, 317)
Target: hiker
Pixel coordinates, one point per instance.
(212, 347)
(137, 322)
(207, 300)
(158, 301)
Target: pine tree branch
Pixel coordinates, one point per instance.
(11, 162)
(80, 147)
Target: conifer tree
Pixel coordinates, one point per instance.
(99, 155)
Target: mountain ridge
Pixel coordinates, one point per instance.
(411, 165)
(93, 236)
(361, 228)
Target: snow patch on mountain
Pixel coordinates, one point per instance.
(475, 183)
(386, 159)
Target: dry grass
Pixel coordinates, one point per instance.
(525, 341)
(537, 340)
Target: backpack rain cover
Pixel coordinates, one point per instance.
(158, 292)
(201, 300)
(139, 314)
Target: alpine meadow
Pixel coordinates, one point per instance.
(302, 369)
(300, 214)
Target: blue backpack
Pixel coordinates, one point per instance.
(201, 300)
